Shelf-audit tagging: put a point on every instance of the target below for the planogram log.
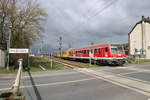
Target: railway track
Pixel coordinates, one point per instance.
(127, 82)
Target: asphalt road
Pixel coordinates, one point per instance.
(74, 85)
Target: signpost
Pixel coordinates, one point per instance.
(15, 50)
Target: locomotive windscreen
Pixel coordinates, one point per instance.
(117, 49)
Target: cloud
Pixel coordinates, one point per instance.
(81, 21)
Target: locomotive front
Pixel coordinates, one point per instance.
(118, 54)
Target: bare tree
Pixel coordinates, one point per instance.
(3, 22)
(23, 19)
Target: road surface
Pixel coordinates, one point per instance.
(74, 85)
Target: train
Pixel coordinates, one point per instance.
(111, 54)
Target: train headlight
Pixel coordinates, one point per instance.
(119, 54)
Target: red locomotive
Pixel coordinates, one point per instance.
(112, 54)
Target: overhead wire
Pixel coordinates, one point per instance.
(99, 11)
(104, 8)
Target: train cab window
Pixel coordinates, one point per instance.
(114, 50)
(120, 50)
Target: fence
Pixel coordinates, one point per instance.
(2, 58)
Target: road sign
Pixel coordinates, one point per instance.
(15, 50)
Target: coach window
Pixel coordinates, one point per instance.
(95, 50)
(99, 50)
(76, 52)
(91, 50)
(87, 51)
(84, 51)
(106, 51)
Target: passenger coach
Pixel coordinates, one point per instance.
(103, 54)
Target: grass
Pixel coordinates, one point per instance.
(11, 69)
(86, 65)
(45, 62)
(34, 65)
(141, 61)
(54, 67)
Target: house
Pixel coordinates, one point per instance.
(2, 58)
(139, 38)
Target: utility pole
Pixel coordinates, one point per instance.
(69, 46)
(60, 46)
(51, 58)
(8, 47)
(91, 43)
(41, 48)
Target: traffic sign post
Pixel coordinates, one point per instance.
(20, 51)
(15, 50)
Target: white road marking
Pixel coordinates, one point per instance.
(109, 68)
(5, 84)
(118, 80)
(55, 74)
(50, 84)
(137, 69)
(111, 75)
(128, 73)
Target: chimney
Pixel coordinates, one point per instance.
(143, 17)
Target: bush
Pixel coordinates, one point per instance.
(36, 61)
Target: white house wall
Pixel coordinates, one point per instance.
(135, 39)
(147, 28)
(2, 58)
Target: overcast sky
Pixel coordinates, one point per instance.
(80, 22)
